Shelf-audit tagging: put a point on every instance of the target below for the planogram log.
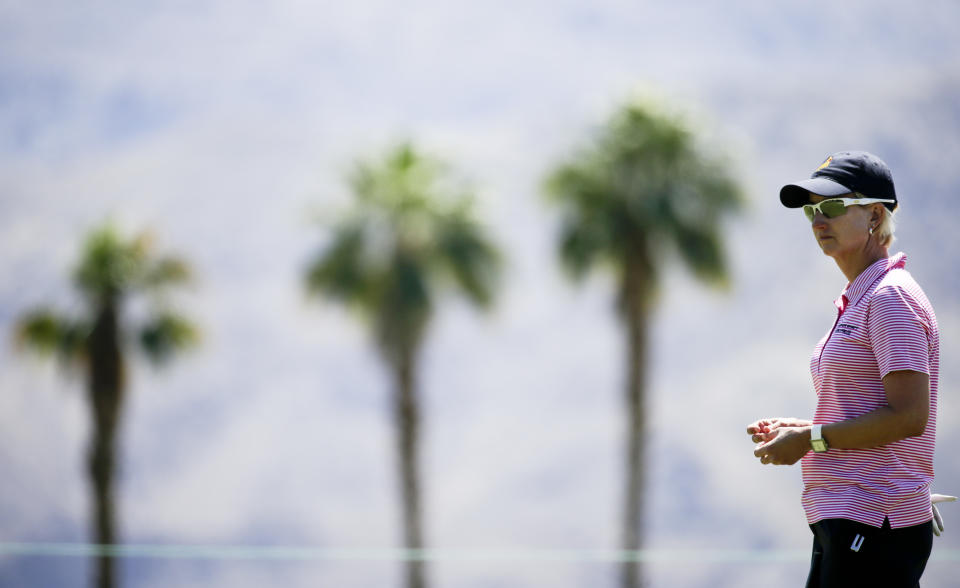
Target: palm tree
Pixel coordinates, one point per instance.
(111, 270)
(640, 192)
(410, 236)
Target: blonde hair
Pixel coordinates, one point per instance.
(884, 230)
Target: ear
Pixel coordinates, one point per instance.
(876, 214)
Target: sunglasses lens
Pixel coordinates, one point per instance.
(829, 208)
(833, 208)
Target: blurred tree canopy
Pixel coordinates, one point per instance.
(111, 271)
(641, 194)
(410, 237)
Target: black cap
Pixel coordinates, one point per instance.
(842, 173)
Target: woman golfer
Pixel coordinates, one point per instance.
(868, 452)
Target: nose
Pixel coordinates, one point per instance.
(819, 219)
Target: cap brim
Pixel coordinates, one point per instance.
(797, 194)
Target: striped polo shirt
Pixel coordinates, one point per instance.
(884, 323)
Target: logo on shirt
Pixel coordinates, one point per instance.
(845, 329)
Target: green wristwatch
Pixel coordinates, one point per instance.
(817, 442)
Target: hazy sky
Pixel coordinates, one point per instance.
(225, 127)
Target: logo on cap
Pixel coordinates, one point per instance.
(825, 163)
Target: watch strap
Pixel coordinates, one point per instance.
(817, 442)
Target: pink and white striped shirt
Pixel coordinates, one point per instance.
(884, 323)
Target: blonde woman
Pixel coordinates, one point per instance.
(867, 454)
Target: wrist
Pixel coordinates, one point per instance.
(816, 440)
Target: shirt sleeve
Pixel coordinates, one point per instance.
(899, 331)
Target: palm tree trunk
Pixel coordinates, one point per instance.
(105, 390)
(634, 303)
(406, 411)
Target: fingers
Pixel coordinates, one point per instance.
(759, 452)
(770, 460)
(761, 426)
(767, 425)
(777, 441)
(767, 434)
(762, 452)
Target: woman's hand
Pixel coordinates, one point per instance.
(783, 444)
(764, 430)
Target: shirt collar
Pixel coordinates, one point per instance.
(867, 277)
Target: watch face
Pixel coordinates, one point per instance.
(819, 445)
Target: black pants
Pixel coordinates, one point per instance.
(848, 554)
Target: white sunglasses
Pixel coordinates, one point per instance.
(835, 207)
